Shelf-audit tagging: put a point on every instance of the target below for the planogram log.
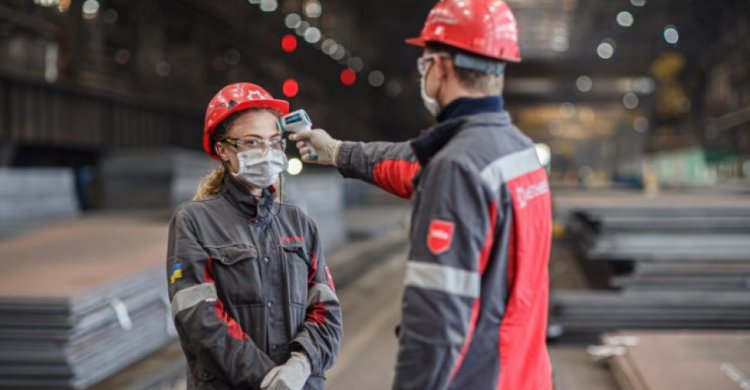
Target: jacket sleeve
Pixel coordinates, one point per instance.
(450, 244)
(207, 333)
(320, 335)
(390, 166)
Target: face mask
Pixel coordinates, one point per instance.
(261, 168)
(431, 104)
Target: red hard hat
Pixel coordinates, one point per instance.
(233, 98)
(484, 27)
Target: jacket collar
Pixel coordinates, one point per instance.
(464, 106)
(434, 139)
(246, 203)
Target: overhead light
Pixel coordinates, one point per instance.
(638, 3)
(90, 9)
(640, 124)
(393, 88)
(163, 68)
(605, 50)
(671, 35)
(328, 46)
(355, 63)
(348, 77)
(643, 85)
(376, 78)
(289, 43)
(630, 101)
(312, 35)
(313, 9)
(625, 19)
(300, 30)
(254, 1)
(268, 5)
(339, 53)
(295, 166)
(584, 83)
(292, 20)
(290, 88)
(567, 110)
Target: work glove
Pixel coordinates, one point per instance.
(290, 376)
(326, 148)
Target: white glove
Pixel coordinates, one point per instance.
(327, 148)
(291, 376)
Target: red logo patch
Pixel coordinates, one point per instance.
(439, 236)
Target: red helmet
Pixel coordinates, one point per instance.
(233, 98)
(484, 27)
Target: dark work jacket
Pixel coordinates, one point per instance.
(249, 284)
(476, 289)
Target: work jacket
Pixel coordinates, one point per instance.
(249, 284)
(474, 310)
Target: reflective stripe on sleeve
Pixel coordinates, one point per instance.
(442, 278)
(320, 293)
(510, 167)
(191, 296)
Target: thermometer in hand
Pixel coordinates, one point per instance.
(297, 121)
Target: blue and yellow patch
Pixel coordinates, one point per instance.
(175, 273)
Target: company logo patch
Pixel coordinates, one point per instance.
(440, 236)
(527, 194)
(175, 273)
(286, 240)
(330, 279)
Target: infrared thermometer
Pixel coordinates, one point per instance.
(297, 121)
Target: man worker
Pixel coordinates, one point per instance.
(474, 310)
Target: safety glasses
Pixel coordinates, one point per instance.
(259, 144)
(422, 61)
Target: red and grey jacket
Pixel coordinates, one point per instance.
(475, 303)
(249, 285)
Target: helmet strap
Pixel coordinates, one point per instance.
(479, 64)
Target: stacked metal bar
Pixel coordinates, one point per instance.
(680, 360)
(33, 197)
(677, 261)
(80, 302)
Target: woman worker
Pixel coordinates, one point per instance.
(252, 298)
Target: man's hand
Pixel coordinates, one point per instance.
(291, 376)
(326, 148)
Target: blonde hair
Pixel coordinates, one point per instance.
(213, 183)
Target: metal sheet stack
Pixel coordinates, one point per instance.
(151, 178)
(30, 197)
(80, 302)
(680, 360)
(676, 261)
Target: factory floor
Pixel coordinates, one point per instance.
(371, 306)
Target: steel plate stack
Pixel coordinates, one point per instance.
(33, 197)
(679, 261)
(79, 303)
(679, 360)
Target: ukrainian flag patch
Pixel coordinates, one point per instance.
(175, 273)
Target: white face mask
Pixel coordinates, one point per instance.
(430, 103)
(261, 168)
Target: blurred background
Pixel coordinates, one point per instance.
(640, 110)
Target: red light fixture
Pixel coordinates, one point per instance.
(289, 43)
(290, 88)
(348, 77)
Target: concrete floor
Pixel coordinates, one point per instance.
(371, 307)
